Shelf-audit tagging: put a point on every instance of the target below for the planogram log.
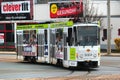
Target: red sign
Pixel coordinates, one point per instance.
(66, 9)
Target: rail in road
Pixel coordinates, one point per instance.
(11, 68)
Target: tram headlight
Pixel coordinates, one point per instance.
(80, 56)
(94, 55)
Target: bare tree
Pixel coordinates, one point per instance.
(90, 14)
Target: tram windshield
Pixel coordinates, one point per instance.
(87, 35)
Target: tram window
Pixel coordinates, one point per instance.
(70, 39)
(75, 34)
(59, 39)
(45, 36)
(26, 37)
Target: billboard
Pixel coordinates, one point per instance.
(16, 10)
(66, 9)
(1, 38)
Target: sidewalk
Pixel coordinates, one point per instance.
(101, 77)
(112, 54)
(8, 52)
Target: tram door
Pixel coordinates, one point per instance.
(43, 52)
(65, 42)
(59, 50)
(52, 46)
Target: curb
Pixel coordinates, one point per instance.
(112, 54)
(7, 52)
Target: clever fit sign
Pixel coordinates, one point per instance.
(16, 10)
(15, 7)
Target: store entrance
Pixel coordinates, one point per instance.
(7, 36)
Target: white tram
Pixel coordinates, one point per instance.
(61, 43)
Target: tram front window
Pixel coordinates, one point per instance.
(87, 35)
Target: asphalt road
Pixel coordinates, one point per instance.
(10, 68)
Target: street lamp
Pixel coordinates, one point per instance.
(109, 28)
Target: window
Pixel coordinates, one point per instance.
(46, 39)
(8, 31)
(41, 1)
(70, 38)
(1, 26)
(105, 34)
(46, 1)
(9, 27)
(10, 38)
(59, 39)
(118, 32)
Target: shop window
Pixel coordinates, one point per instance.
(46, 1)
(1, 27)
(10, 38)
(9, 27)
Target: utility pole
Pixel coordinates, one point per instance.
(109, 28)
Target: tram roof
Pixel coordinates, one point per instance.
(87, 24)
(46, 25)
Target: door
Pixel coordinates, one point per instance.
(59, 48)
(43, 52)
(19, 43)
(52, 44)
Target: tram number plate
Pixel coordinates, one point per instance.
(88, 55)
(73, 63)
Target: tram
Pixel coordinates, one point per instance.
(64, 43)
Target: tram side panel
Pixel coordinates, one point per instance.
(43, 46)
(65, 37)
(52, 46)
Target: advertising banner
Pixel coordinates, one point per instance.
(66, 9)
(16, 10)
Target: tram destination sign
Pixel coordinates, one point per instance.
(16, 10)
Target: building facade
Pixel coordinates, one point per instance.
(101, 5)
(15, 12)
